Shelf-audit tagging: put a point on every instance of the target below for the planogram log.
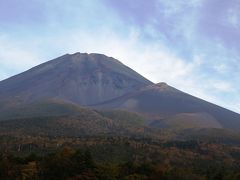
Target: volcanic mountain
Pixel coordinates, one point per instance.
(83, 79)
(62, 86)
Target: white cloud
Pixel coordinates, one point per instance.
(221, 68)
(233, 17)
(3, 75)
(223, 86)
(176, 6)
(15, 58)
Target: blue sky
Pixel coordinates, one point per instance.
(192, 45)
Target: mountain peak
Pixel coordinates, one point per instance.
(79, 78)
(79, 55)
(160, 87)
(87, 59)
(162, 84)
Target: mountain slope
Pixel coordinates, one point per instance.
(44, 108)
(79, 78)
(57, 118)
(164, 105)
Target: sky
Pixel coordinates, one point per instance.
(192, 45)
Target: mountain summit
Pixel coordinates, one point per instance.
(79, 78)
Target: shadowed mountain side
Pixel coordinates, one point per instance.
(56, 118)
(79, 78)
(46, 108)
(162, 102)
(84, 124)
(192, 120)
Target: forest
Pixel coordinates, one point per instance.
(116, 157)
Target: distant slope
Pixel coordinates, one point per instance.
(192, 120)
(161, 103)
(79, 78)
(57, 118)
(44, 108)
(87, 123)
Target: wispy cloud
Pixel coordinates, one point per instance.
(15, 58)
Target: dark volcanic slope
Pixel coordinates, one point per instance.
(79, 78)
(57, 118)
(165, 103)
